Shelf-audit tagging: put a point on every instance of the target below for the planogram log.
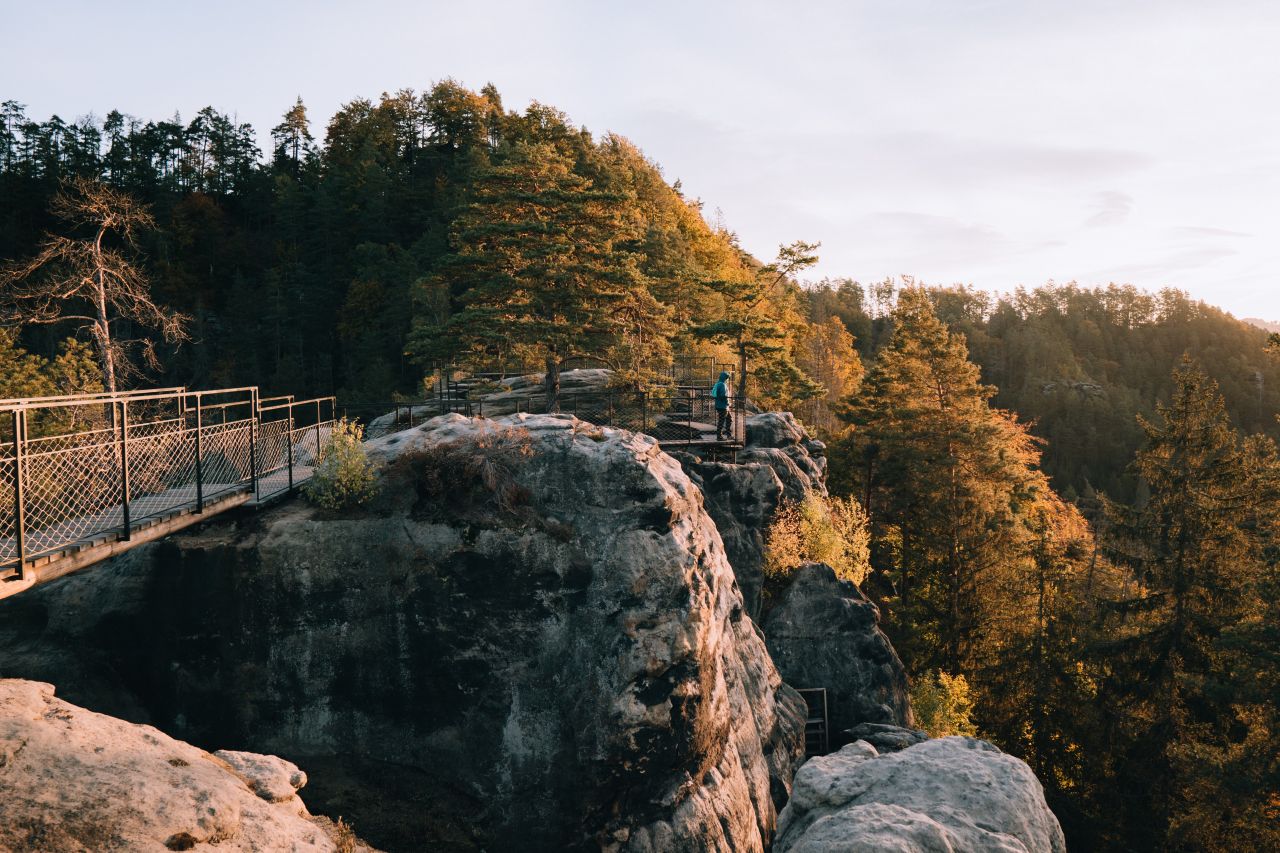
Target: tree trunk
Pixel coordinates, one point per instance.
(742, 374)
(552, 381)
(102, 329)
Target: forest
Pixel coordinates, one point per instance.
(1069, 493)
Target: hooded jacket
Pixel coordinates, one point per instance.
(720, 391)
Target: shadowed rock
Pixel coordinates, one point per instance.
(823, 632)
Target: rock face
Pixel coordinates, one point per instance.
(778, 440)
(779, 462)
(742, 500)
(533, 641)
(953, 793)
(823, 632)
(73, 780)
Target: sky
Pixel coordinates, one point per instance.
(991, 143)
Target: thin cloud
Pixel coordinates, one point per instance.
(1110, 208)
(1172, 269)
(1193, 231)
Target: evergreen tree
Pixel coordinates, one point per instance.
(758, 320)
(293, 145)
(944, 479)
(539, 273)
(1196, 548)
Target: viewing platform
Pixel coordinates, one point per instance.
(87, 477)
(90, 476)
(681, 415)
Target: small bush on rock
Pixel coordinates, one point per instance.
(941, 704)
(818, 530)
(344, 477)
(474, 474)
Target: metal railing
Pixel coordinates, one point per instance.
(85, 468)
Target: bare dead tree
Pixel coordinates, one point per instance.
(87, 280)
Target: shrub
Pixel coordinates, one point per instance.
(344, 477)
(818, 530)
(477, 473)
(941, 704)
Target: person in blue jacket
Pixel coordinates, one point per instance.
(720, 393)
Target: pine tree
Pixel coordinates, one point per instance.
(1197, 548)
(758, 319)
(540, 272)
(944, 479)
(293, 143)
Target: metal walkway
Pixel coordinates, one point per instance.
(86, 477)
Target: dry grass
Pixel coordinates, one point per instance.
(475, 474)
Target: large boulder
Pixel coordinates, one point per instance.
(777, 439)
(73, 780)
(953, 793)
(581, 386)
(532, 641)
(823, 632)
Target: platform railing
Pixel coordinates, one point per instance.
(82, 469)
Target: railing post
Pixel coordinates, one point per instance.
(289, 447)
(644, 412)
(125, 531)
(199, 453)
(315, 462)
(19, 428)
(253, 441)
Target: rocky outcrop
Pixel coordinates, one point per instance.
(73, 780)
(887, 738)
(953, 793)
(778, 440)
(533, 641)
(742, 500)
(823, 632)
(528, 393)
(779, 462)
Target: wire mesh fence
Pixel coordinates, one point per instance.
(81, 469)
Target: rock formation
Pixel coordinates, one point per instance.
(823, 632)
(73, 780)
(779, 462)
(533, 641)
(778, 440)
(953, 793)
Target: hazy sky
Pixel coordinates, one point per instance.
(992, 143)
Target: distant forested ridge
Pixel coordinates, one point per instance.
(323, 266)
(1082, 363)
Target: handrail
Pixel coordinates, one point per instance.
(107, 472)
(96, 397)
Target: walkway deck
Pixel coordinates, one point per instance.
(152, 463)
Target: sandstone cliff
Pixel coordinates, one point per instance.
(533, 641)
(823, 632)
